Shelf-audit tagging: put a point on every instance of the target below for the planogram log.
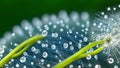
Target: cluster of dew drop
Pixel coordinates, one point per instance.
(65, 36)
(107, 26)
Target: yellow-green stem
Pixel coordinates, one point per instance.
(20, 49)
(80, 54)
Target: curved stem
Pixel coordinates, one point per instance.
(23, 47)
(80, 54)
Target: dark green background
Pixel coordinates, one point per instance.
(13, 11)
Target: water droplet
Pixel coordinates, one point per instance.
(17, 65)
(1, 50)
(88, 57)
(48, 65)
(23, 59)
(13, 34)
(32, 63)
(65, 45)
(71, 66)
(53, 46)
(89, 64)
(33, 49)
(97, 66)
(70, 31)
(71, 47)
(110, 60)
(79, 66)
(45, 54)
(85, 39)
(54, 34)
(44, 32)
(116, 66)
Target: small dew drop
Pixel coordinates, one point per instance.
(54, 34)
(32, 63)
(44, 32)
(88, 57)
(17, 65)
(23, 59)
(1, 50)
(79, 45)
(110, 60)
(33, 49)
(85, 39)
(45, 54)
(97, 66)
(13, 34)
(79, 66)
(116, 66)
(71, 47)
(65, 45)
(53, 46)
(48, 65)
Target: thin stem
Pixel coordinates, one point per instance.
(23, 47)
(80, 54)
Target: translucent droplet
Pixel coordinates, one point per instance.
(44, 33)
(42, 60)
(79, 45)
(48, 65)
(45, 54)
(84, 16)
(108, 8)
(54, 34)
(65, 45)
(96, 57)
(116, 66)
(71, 66)
(13, 34)
(71, 47)
(105, 16)
(1, 50)
(85, 39)
(53, 46)
(110, 60)
(32, 63)
(70, 31)
(24, 66)
(33, 49)
(17, 65)
(89, 64)
(23, 59)
(79, 66)
(88, 57)
(97, 66)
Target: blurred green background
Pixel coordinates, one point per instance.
(12, 12)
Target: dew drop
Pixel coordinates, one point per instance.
(88, 57)
(1, 50)
(45, 54)
(79, 66)
(116, 66)
(65, 45)
(54, 34)
(23, 59)
(71, 47)
(17, 65)
(44, 32)
(53, 46)
(97, 66)
(33, 49)
(85, 39)
(48, 65)
(110, 60)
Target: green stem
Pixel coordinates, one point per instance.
(23, 47)
(80, 54)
